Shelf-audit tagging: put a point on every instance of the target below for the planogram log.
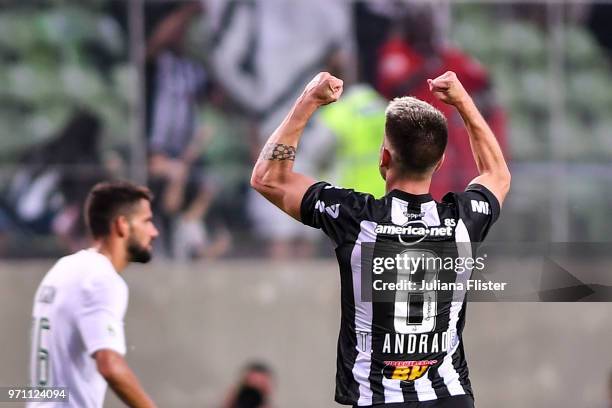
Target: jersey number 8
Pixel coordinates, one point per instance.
(415, 310)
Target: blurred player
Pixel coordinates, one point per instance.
(78, 340)
(379, 363)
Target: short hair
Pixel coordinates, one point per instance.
(107, 200)
(417, 132)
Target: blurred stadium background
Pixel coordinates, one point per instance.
(180, 95)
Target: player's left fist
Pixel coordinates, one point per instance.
(448, 88)
(324, 89)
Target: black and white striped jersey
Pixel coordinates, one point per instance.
(409, 348)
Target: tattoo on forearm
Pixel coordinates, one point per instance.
(278, 151)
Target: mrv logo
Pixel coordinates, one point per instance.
(481, 207)
(332, 210)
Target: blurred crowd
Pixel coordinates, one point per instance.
(218, 77)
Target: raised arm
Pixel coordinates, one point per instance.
(494, 173)
(273, 175)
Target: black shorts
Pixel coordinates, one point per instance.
(460, 401)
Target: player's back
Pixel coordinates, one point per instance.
(66, 300)
(401, 343)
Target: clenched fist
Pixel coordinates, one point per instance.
(448, 89)
(324, 89)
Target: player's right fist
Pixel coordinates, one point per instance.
(324, 89)
(448, 88)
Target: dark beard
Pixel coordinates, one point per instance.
(138, 253)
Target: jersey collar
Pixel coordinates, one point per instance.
(411, 198)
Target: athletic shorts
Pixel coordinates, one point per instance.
(460, 401)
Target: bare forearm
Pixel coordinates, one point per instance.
(273, 175)
(494, 173)
(278, 154)
(487, 152)
(125, 384)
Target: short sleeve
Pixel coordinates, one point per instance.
(336, 211)
(478, 209)
(100, 318)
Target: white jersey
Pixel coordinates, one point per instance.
(78, 310)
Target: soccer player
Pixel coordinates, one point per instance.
(389, 354)
(78, 340)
